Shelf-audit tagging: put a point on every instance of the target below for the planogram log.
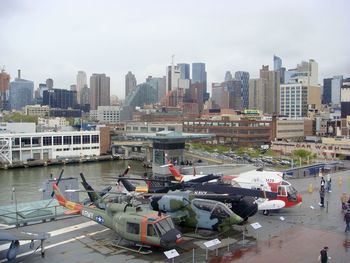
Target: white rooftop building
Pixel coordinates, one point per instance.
(48, 145)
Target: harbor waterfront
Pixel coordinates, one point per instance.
(27, 182)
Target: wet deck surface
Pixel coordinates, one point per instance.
(299, 238)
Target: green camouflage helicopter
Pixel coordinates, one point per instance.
(184, 207)
(146, 228)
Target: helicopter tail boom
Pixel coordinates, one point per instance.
(74, 207)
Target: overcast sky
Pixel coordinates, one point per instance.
(56, 38)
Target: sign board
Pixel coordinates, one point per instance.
(171, 254)
(256, 225)
(282, 218)
(212, 243)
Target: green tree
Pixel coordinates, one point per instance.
(18, 117)
(302, 153)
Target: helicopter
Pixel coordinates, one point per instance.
(130, 223)
(249, 180)
(241, 201)
(184, 207)
(188, 210)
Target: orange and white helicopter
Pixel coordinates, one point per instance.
(287, 195)
(269, 181)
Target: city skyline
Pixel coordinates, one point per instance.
(56, 39)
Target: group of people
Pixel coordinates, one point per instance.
(345, 200)
(345, 205)
(325, 186)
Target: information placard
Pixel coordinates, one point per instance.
(212, 243)
(256, 225)
(171, 254)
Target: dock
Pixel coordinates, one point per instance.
(61, 161)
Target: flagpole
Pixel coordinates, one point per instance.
(15, 198)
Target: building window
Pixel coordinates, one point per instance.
(76, 139)
(25, 141)
(86, 139)
(15, 142)
(47, 141)
(57, 140)
(67, 140)
(95, 139)
(36, 140)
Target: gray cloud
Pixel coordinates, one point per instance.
(59, 37)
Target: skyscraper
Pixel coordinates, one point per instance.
(228, 76)
(345, 101)
(337, 82)
(199, 75)
(100, 91)
(4, 88)
(233, 89)
(172, 78)
(85, 99)
(60, 98)
(217, 94)
(142, 94)
(294, 100)
(184, 70)
(49, 83)
(130, 83)
(306, 73)
(277, 62)
(272, 92)
(158, 84)
(327, 91)
(277, 66)
(243, 77)
(257, 88)
(81, 82)
(21, 92)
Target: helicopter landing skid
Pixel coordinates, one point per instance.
(141, 250)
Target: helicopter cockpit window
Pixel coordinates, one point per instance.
(204, 205)
(292, 193)
(151, 231)
(133, 228)
(164, 225)
(221, 210)
(282, 190)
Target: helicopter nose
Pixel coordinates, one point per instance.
(299, 199)
(171, 238)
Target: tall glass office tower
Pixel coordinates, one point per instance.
(199, 75)
(243, 77)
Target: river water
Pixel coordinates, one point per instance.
(28, 181)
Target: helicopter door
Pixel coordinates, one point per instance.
(152, 234)
(133, 231)
(282, 191)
